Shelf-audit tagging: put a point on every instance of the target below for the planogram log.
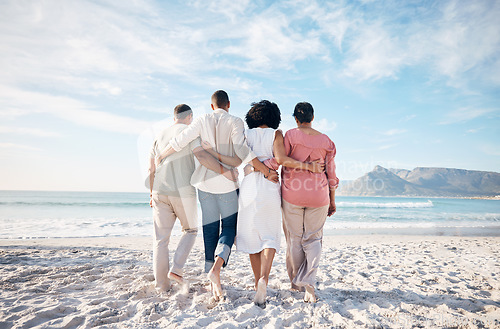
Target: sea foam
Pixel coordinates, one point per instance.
(343, 204)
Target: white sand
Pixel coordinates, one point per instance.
(363, 282)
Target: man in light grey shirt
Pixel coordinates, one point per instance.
(173, 196)
(218, 196)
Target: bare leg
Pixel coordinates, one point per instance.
(267, 257)
(255, 261)
(214, 277)
(260, 295)
(266, 261)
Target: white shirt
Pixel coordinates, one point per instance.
(225, 133)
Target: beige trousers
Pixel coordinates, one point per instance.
(303, 229)
(165, 211)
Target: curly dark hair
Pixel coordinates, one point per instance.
(263, 113)
(303, 112)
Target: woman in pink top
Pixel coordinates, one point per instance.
(308, 198)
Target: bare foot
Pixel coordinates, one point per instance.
(164, 287)
(212, 302)
(181, 281)
(215, 298)
(310, 296)
(216, 286)
(176, 278)
(260, 296)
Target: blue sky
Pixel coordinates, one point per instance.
(85, 85)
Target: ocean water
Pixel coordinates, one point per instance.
(30, 214)
(436, 216)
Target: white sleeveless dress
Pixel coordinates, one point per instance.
(259, 213)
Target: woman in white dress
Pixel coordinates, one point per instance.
(259, 213)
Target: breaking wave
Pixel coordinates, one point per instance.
(427, 204)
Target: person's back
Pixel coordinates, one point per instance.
(261, 141)
(173, 175)
(224, 132)
(172, 197)
(308, 198)
(302, 187)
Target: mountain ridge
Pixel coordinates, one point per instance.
(424, 182)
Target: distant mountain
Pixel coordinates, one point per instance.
(436, 182)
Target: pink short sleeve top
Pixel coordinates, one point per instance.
(304, 188)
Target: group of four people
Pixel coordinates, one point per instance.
(249, 216)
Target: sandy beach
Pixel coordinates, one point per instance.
(377, 281)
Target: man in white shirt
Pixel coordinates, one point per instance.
(218, 195)
(173, 196)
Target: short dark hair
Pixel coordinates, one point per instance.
(220, 99)
(263, 113)
(182, 111)
(303, 112)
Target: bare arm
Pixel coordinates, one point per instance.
(211, 163)
(283, 159)
(152, 170)
(230, 161)
(181, 141)
(333, 208)
(270, 174)
(244, 152)
(166, 152)
(333, 180)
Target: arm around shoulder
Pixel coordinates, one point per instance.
(242, 150)
(187, 135)
(211, 163)
(283, 159)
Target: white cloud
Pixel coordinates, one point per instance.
(70, 45)
(408, 117)
(324, 125)
(108, 87)
(269, 41)
(332, 18)
(83, 46)
(394, 131)
(386, 147)
(229, 8)
(11, 113)
(466, 38)
(28, 131)
(474, 130)
(287, 123)
(466, 114)
(455, 40)
(13, 146)
(70, 110)
(374, 54)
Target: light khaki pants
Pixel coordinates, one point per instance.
(165, 210)
(303, 229)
